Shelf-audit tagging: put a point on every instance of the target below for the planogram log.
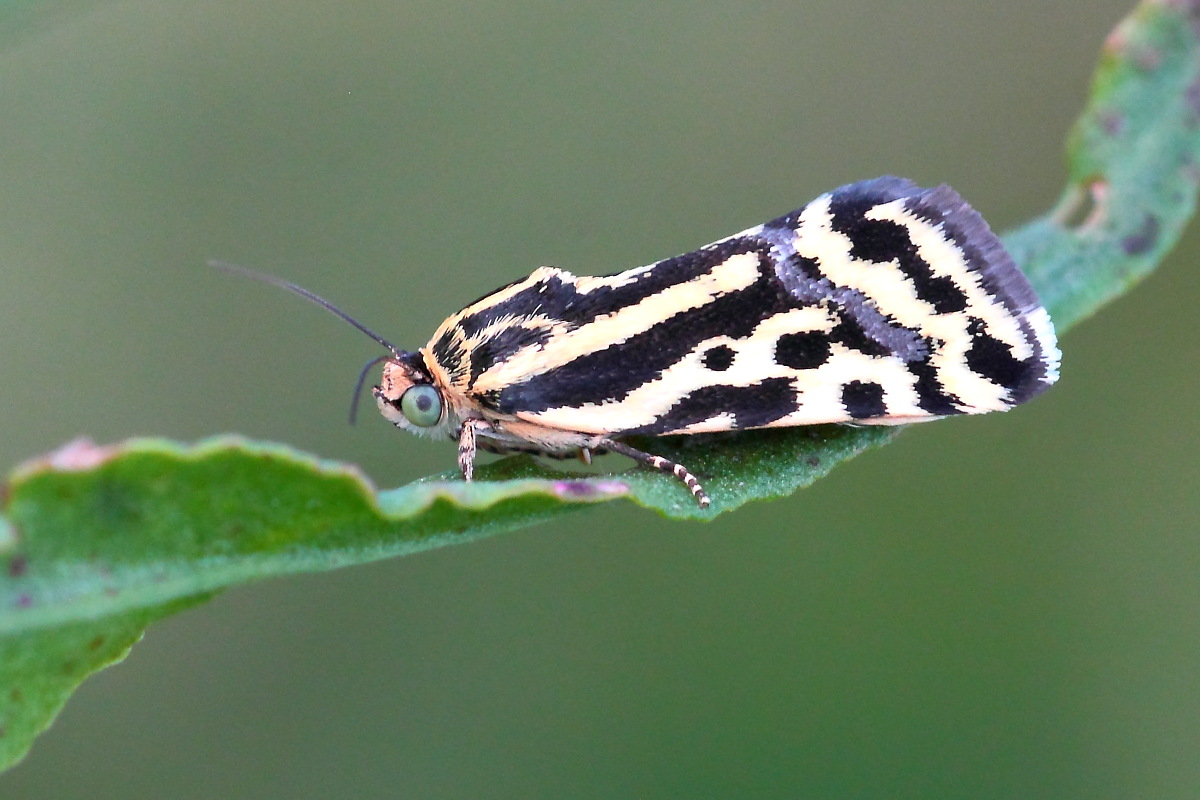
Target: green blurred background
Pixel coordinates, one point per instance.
(1003, 607)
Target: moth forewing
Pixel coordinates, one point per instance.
(878, 303)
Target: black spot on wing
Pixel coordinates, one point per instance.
(874, 239)
(882, 240)
(863, 400)
(993, 359)
(718, 359)
(751, 406)
(612, 373)
(806, 350)
(942, 293)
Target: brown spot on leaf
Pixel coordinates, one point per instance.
(96, 644)
(1111, 121)
(585, 489)
(1144, 239)
(1191, 171)
(1192, 95)
(17, 565)
(1148, 58)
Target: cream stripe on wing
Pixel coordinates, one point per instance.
(733, 274)
(754, 362)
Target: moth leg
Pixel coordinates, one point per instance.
(658, 462)
(585, 455)
(466, 446)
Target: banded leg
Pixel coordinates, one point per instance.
(664, 464)
(466, 446)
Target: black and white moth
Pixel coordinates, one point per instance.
(879, 303)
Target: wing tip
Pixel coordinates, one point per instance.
(984, 254)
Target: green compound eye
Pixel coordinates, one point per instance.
(422, 405)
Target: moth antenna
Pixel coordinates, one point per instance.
(234, 269)
(362, 378)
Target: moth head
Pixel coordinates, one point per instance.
(408, 397)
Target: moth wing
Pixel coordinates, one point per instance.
(878, 303)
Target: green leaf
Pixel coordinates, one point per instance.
(40, 667)
(1133, 158)
(97, 542)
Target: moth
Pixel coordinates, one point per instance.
(879, 303)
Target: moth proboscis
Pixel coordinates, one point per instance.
(879, 303)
